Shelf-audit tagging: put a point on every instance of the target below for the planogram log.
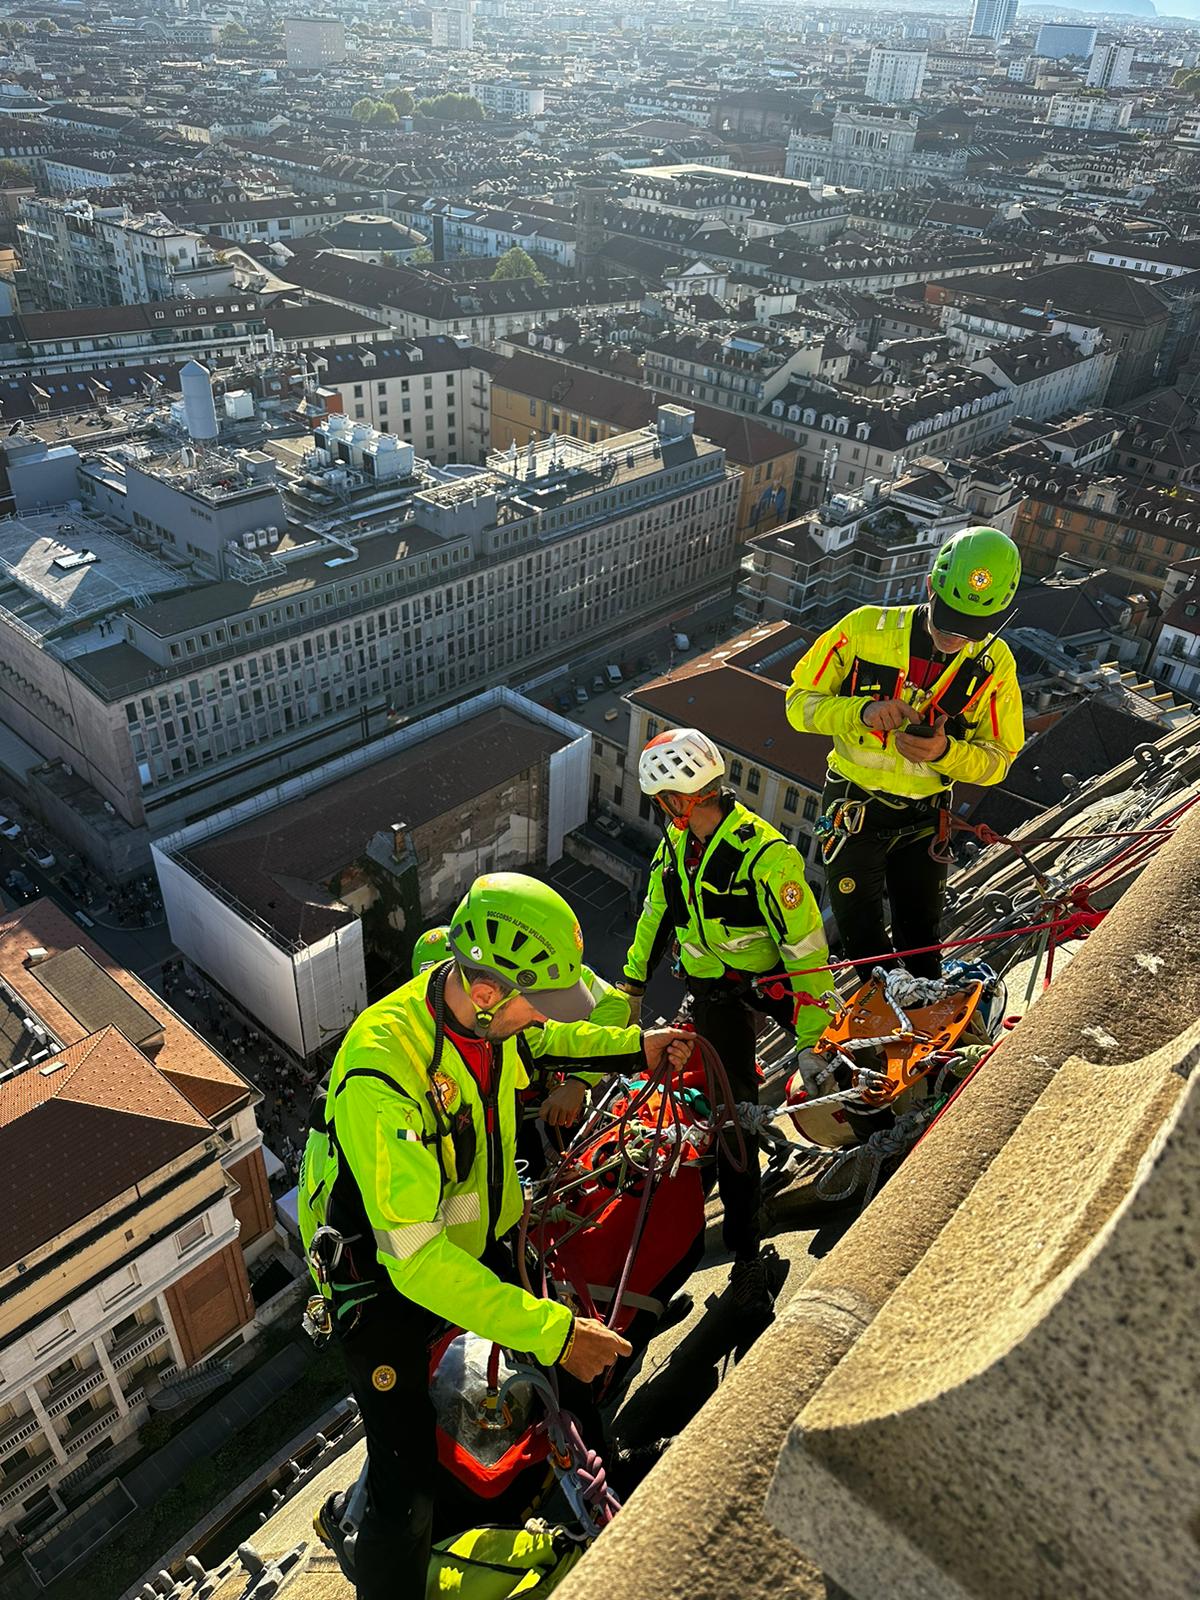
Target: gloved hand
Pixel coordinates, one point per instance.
(813, 1074)
(631, 987)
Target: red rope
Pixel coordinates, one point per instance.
(1081, 920)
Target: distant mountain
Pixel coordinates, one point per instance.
(1122, 8)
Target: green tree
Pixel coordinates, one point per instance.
(518, 263)
(363, 110)
(451, 108)
(13, 175)
(232, 33)
(46, 26)
(402, 100)
(384, 112)
(422, 256)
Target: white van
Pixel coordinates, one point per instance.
(682, 642)
(613, 674)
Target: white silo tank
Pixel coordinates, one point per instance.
(199, 409)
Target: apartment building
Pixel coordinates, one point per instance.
(412, 595)
(1050, 375)
(1089, 109)
(435, 393)
(117, 1283)
(511, 99)
(532, 396)
(1176, 659)
(739, 372)
(871, 548)
(896, 77)
(314, 42)
(79, 254)
(94, 337)
(844, 440)
(1111, 67)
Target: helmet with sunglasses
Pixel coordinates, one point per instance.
(524, 935)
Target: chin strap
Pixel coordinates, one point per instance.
(681, 820)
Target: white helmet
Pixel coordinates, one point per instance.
(681, 760)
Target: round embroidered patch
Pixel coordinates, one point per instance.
(791, 894)
(447, 1089)
(980, 578)
(383, 1379)
(846, 886)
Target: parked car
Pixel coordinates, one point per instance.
(613, 673)
(598, 684)
(610, 826)
(42, 857)
(581, 696)
(71, 883)
(10, 829)
(21, 887)
(563, 701)
(682, 642)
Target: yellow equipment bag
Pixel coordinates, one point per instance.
(498, 1563)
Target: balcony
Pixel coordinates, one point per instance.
(65, 1395)
(136, 1343)
(91, 1430)
(21, 1487)
(164, 1374)
(20, 1429)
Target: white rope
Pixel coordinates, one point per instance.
(865, 1161)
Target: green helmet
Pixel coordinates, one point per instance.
(433, 946)
(525, 935)
(974, 581)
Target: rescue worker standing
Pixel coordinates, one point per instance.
(916, 698)
(409, 1184)
(730, 889)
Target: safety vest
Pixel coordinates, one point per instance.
(746, 909)
(416, 1170)
(865, 657)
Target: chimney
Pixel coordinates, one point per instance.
(399, 840)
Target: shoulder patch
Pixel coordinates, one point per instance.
(745, 833)
(791, 895)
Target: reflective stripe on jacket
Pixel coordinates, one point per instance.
(748, 909)
(865, 657)
(432, 1166)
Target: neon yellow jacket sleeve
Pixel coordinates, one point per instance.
(611, 1008)
(995, 740)
(792, 914)
(814, 703)
(654, 909)
(400, 1180)
(581, 1041)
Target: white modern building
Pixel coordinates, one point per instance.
(511, 99)
(1058, 41)
(314, 42)
(896, 77)
(271, 897)
(1088, 111)
(1111, 67)
(453, 29)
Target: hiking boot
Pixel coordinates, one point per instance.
(327, 1525)
(755, 1283)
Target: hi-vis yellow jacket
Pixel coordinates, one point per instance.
(748, 909)
(421, 1167)
(865, 657)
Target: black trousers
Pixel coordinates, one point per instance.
(387, 1358)
(723, 1012)
(889, 858)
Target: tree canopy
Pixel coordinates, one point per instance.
(518, 263)
(451, 108)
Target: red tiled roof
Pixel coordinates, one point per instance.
(184, 1057)
(82, 1129)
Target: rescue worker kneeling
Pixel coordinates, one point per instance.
(409, 1183)
(730, 889)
